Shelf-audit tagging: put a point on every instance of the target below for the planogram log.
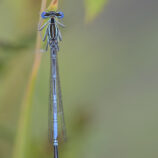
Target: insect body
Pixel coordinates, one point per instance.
(52, 36)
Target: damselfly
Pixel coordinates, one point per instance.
(52, 36)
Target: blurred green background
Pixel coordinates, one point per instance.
(109, 78)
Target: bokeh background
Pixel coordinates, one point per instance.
(109, 78)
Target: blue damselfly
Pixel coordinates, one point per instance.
(52, 36)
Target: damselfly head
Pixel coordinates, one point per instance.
(50, 14)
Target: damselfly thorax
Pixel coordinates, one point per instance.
(53, 34)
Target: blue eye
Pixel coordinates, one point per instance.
(61, 15)
(43, 15)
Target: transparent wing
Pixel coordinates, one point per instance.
(60, 109)
(61, 121)
(50, 109)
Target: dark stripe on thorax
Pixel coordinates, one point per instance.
(52, 28)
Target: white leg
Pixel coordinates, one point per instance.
(41, 28)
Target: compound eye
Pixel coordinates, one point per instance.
(43, 15)
(61, 15)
